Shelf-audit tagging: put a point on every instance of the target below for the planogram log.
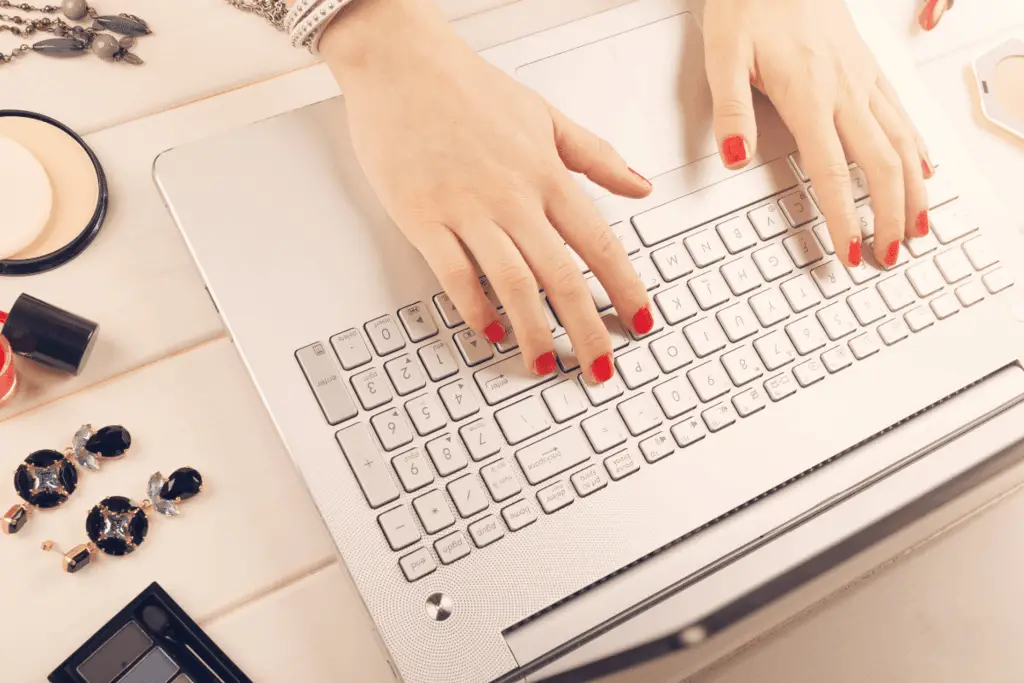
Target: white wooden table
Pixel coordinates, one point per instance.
(249, 558)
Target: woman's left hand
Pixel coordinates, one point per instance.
(808, 58)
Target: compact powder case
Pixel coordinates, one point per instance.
(1000, 75)
(56, 188)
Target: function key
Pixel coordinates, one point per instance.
(417, 564)
(351, 348)
(329, 389)
(449, 314)
(417, 322)
(385, 335)
(486, 531)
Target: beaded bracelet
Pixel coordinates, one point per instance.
(309, 30)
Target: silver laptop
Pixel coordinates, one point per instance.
(503, 527)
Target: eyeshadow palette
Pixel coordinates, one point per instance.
(151, 640)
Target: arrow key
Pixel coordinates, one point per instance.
(474, 348)
(417, 321)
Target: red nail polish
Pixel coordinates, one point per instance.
(926, 169)
(645, 180)
(495, 332)
(545, 363)
(602, 369)
(922, 223)
(734, 150)
(892, 254)
(853, 256)
(930, 16)
(643, 321)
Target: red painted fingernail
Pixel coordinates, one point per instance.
(853, 256)
(645, 180)
(643, 321)
(495, 332)
(922, 223)
(930, 15)
(602, 369)
(927, 169)
(734, 150)
(545, 363)
(892, 253)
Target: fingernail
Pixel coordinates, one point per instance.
(922, 223)
(645, 180)
(853, 256)
(495, 332)
(545, 363)
(602, 369)
(931, 14)
(892, 253)
(643, 321)
(927, 169)
(734, 150)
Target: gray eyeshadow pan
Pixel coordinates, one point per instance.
(116, 655)
(155, 667)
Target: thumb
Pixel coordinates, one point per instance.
(583, 152)
(728, 68)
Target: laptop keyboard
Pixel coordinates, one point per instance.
(750, 308)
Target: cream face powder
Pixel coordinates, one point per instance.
(1000, 75)
(26, 196)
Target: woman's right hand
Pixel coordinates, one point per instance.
(466, 160)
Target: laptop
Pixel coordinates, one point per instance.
(486, 551)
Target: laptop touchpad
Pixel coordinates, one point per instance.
(645, 91)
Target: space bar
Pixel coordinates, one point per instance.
(714, 201)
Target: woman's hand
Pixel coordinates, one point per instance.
(807, 56)
(469, 162)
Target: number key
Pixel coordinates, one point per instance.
(675, 397)
(438, 360)
(405, 374)
(371, 388)
(447, 455)
(392, 429)
(426, 414)
(481, 438)
(459, 399)
(385, 335)
(709, 380)
(413, 470)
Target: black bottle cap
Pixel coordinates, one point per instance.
(49, 335)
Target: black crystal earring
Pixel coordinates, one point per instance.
(48, 478)
(118, 526)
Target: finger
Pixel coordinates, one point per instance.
(901, 137)
(932, 12)
(729, 67)
(516, 287)
(871, 149)
(927, 167)
(583, 152)
(458, 277)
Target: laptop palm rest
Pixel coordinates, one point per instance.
(687, 587)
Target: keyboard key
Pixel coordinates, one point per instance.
(468, 495)
(859, 184)
(548, 315)
(506, 379)
(705, 248)
(351, 349)
(998, 280)
(588, 480)
(741, 276)
(773, 262)
(769, 307)
(605, 431)
(919, 318)
(617, 333)
(417, 564)
(951, 222)
(447, 455)
(705, 337)
(501, 480)
(672, 262)
(798, 168)
(602, 393)
(565, 401)
(944, 306)
(637, 367)
(837, 359)
(427, 416)
(801, 293)
(671, 351)
(925, 278)
(709, 381)
(459, 400)
(566, 353)
(803, 248)
(893, 331)
(599, 294)
(675, 397)
(821, 232)
(738, 322)
(433, 511)
(413, 470)
(372, 389)
(738, 234)
(689, 432)
(676, 304)
(719, 417)
(837, 320)
(368, 466)
(646, 272)
(452, 547)
(523, 420)
(489, 292)
(831, 279)
(449, 314)
(481, 438)
(749, 402)
(896, 292)
(780, 386)
(475, 349)
(328, 387)
(970, 294)
(555, 497)
(627, 235)
(640, 414)
(807, 335)
(417, 322)
(519, 515)
(553, 455)
(919, 246)
(767, 221)
(865, 345)
(437, 358)
(486, 531)
(620, 465)
(509, 341)
(775, 350)
(867, 306)
(709, 289)
(866, 271)
(799, 208)
(385, 335)
(953, 265)
(399, 528)
(808, 373)
(743, 365)
(656, 447)
(980, 253)
(405, 374)
(392, 429)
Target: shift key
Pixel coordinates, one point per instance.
(324, 378)
(553, 455)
